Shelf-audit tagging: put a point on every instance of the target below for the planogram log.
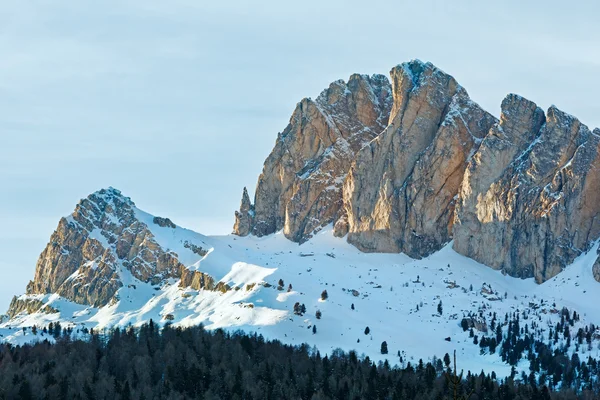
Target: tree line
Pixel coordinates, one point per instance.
(193, 363)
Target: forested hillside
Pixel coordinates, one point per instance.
(175, 363)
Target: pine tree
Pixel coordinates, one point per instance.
(439, 308)
(25, 390)
(324, 295)
(367, 330)
(384, 347)
(447, 360)
(314, 329)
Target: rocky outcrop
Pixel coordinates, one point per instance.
(400, 192)
(28, 305)
(530, 199)
(201, 281)
(244, 218)
(300, 188)
(91, 250)
(196, 280)
(596, 268)
(163, 222)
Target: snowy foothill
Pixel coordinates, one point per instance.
(416, 306)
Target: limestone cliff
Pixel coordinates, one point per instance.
(530, 199)
(400, 193)
(300, 188)
(94, 251)
(411, 166)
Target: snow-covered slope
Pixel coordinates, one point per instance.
(395, 296)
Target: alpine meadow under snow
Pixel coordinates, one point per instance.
(397, 297)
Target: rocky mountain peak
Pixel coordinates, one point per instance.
(104, 243)
(411, 165)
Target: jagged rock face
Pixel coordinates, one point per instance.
(29, 305)
(596, 268)
(198, 280)
(90, 249)
(300, 188)
(163, 222)
(530, 197)
(244, 217)
(519, 194)
(399, 194)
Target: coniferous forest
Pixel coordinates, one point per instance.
(193, 363)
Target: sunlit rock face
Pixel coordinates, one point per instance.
(401, 190)
(92, 251)
(412, 165)
(530, 199)
(300, 188)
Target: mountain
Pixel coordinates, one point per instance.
(105, 244)
(401, 195)
(272, 286)
(519, 194)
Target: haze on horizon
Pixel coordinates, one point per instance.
(178, 103)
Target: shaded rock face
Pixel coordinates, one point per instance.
(530, 199)
(27, 305)
(163, 222)
(400, 192)
(300, 188)
(92, 248)
(596, 268)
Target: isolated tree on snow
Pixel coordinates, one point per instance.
(290, 287)
(439, 308)
(299, 309)
(367, 330)
(464, 324)
(352, 306)
(280, 282)
(447, 360)
(324, 295)
(314, 329)
(384, 347)
(318, 314)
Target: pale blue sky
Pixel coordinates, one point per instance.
(177, 103)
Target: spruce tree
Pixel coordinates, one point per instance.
(384, 347)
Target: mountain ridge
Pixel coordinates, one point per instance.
(424, 180)
(391, 224)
